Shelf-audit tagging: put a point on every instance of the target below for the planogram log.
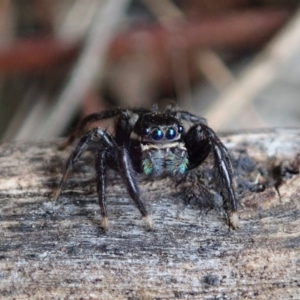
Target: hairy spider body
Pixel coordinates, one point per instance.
(160, 151)
(156, 145)
(169, 159)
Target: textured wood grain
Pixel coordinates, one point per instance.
(58, 251)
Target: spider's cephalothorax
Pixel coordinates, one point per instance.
(157, 139)
(155, 144)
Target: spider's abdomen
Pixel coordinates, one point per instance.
(164, 159)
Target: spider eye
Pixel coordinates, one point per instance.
(170, 133)
(180, 129)
(157, 134)
(145, 131)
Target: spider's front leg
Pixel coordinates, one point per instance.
(128, 174)
(109, 152)
(110, 155)
(200, 140)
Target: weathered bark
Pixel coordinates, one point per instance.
(58, 251)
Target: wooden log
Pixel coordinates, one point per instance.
(56, 250)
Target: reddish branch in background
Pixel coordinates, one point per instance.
(241, 31)
(35, 55)
(234, 30)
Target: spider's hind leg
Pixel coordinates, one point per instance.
(92, 118)
(187, 116)
(96, 133)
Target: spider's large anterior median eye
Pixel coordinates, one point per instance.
(145, 131)
(170, 133)
(157, 134)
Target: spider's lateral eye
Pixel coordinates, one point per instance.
(180, 129)
(157, 134)
(145, 131)
(170, 133)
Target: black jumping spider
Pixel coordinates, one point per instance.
(156, 144)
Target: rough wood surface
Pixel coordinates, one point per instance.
(58, 251)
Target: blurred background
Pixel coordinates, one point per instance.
(235, 62)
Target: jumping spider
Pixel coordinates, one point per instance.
(155, 144)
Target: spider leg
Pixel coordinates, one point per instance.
(107, 114)
(128, 175)
(200, 141)
(81, 147)
(124, 167)
(186, 116)
(101, 185)
(92, 118)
